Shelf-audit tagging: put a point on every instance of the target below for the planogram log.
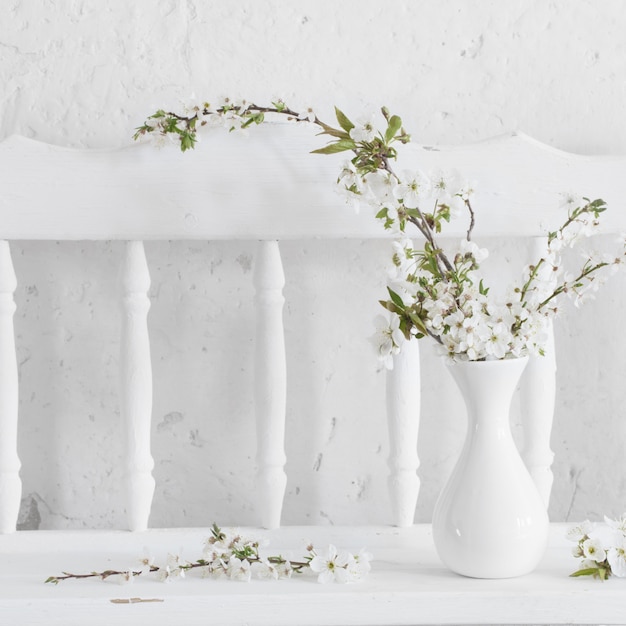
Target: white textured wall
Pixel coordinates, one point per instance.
(85, 73)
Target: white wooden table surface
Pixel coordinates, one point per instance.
(407, 585)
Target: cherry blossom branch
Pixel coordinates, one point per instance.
(102, 575)
(573, 284)
(438, 296)
(468, 204)
(234, 556)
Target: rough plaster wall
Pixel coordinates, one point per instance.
(85, 73)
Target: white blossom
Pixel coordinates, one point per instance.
(607, 534)
(307, 114)
(238, 569)
(195, 107)
(592, 549)
(173, 569)
(224, 102)
(169, 573)
(359, 566)
(284, 570)
(387, 339)
(265, 570)
(381, 186)
(154, 122)
(350, 185)
(570, 200)
(498, 342)
(556, 243)
(617, 524)
(364, 130)
(469, 247)
(331, 565)
(162, 140)
(230, 120)
(446, 188)
(616, 556)
(402, 259)
(146, 562)
(467, 190)
(444, 184)
(412, 189)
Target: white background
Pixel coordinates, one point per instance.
(86, 73)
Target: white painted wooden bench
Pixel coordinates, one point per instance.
(135, 194)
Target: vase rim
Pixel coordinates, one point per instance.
(451, 362)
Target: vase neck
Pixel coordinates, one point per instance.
(487, 388)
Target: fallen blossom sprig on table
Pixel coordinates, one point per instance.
(230, 555)
(601, 548)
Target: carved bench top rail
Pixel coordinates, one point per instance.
(266, 185)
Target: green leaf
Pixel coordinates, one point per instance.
(391, 307)
(142, 130)
(395, 298)
(216, 532)
(443, 212)
(395, 123)
(338, 146)
(344, 122)
(249, 120)
(590, 571)
(418, 322)
(187, 141)
(598, 202)
(405, 328)
(171, 126)
(333, 132)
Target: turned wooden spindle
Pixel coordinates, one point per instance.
(10, 483)
(538, 393)
(136, 386)
(403, 416)
(270, 385)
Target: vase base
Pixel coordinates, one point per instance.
(494, 575)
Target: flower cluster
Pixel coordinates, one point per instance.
(454, 307)
(601, 548)
(230, 555)
(431, 292)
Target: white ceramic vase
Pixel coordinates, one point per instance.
(489, 521)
